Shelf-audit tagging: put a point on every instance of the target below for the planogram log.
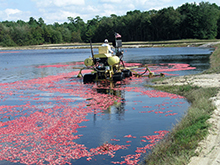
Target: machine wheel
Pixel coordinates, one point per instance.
(118, 76)
(88, 78)
(127, 73)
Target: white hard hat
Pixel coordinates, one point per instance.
(106, 40)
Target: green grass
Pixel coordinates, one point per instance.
(180, 144)
(215, 61)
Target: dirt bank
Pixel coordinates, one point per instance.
(203, 80)
(209, 148)
(171, 43)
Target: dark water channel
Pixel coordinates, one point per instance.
(48, 116)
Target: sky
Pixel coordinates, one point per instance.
(59, 10)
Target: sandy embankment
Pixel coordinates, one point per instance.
(209, 148)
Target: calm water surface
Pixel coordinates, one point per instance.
(19, 65)
(42, 102)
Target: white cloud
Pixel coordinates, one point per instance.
(61, 3)
(42, 4)
(58, 10)
(110, 1)
(59, 16)
(58, 3)
(91, 9)
(146, 5)
(108, 7)
(14, 15)
(12, 11)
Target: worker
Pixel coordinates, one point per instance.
(106, 44)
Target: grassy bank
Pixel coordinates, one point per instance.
(180, 144)
(215, 61)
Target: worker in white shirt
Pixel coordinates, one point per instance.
(106, 44)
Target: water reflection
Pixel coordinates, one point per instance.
(111, 88)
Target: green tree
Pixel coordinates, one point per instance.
(5, 39)
(132, 25)
(167, 24)
(199, 21)
(90, 33)
(36, 34)
(41, 22)
(21, 35)
(218, 24)
(32, 22)
(104, 30)
(21, 23)
(47, 34)
(56, 37)
(66, 34)
(208, 20)
(190, 20)
(76, 36)
(146, 26)
(78, 25)
(56, 25)
(91, 28)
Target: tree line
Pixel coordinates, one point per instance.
(189, 21)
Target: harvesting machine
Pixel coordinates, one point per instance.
(107, 66)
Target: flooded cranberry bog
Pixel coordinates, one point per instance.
(48, 116)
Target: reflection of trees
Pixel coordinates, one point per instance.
(182, 58)
(120, 109)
